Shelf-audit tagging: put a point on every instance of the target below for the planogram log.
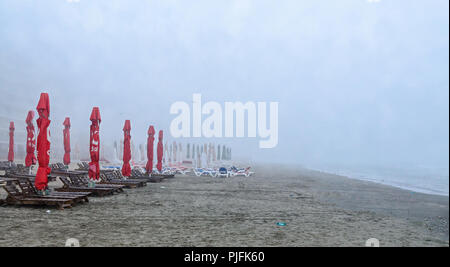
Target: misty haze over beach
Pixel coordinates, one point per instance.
(362, 86)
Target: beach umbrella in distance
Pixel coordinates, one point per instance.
(121, 149)
(142, 152)
(116, 151)
(166, 149)
(180, 152)
(159, 151)
(30, 158)
(43, 142)
(94, 145)
(169, 153)
(188, 151)
(11, 142)
(218, 152)
(209, 154)
(199, 163)
(126, 168)
(224, 155)
(66, 135)
(134, 152)
(151, 138)
(174, 152)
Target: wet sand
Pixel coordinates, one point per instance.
(318, 209)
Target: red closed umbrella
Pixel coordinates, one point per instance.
(126, 168)
(94, 144)
(66, 134)
(150, 140)
(159, 151)
(11, 142)
(30, 159)
(43, 142)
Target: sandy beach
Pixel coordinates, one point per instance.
(318, 209)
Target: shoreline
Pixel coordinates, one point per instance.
(411, 188)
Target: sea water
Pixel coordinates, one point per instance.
(418, 178)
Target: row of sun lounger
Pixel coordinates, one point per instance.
(18, 183)
(21, 191)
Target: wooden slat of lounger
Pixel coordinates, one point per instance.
(94, 191)
(127, 185)
(74, 193)
(141, 183)
(86, 189)
(82, 182)
(45, 200)
(28, 190)
(69, 186)
(48, 202)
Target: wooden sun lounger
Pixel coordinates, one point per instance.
(116, 174)
(127, 183)
(60, 172)
(83, 166)
(138, 174)
(30, 177)
(81, 179)
(28, 189)
(84, 181)
(17, 197)
(68, 186)
(58, 166)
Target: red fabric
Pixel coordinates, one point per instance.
(95, 115)
(150, 140)
(66, 134)
(43, 142)
(126, 168)
(30, 159)
(11, 142)
(94, 144)
(159, 151)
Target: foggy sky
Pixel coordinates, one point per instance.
(355, 81)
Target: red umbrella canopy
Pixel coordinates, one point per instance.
(43, 142)
(43, 106)
(150, 140)
(95, 115)
(126, 168)
(159, 151)
(94, 144)
(66, 135)
(30, 158)
(11, 142)
(66, 122)
(29, 119)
